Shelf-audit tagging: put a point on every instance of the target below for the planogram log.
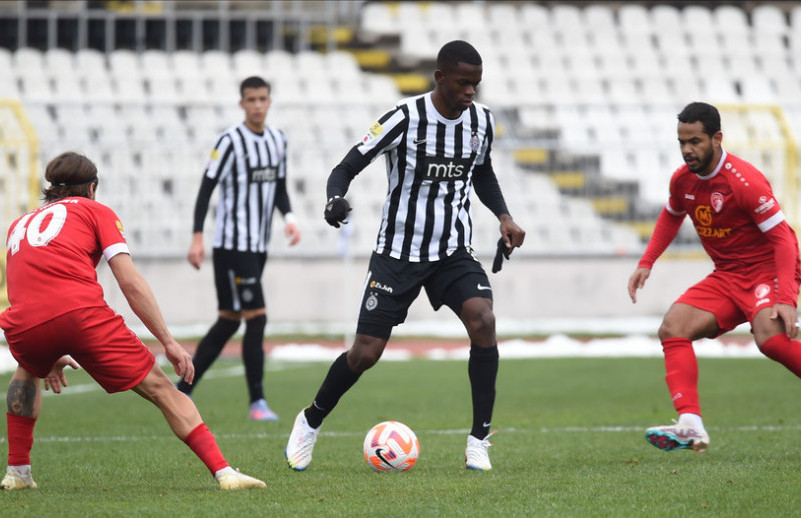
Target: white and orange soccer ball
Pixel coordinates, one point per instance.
(391, 446)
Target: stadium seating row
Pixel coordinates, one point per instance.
(208, 78)
(383, 18)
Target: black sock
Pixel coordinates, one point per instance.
(482, 368)
(338, 380)
(253, 355)
(209, 349)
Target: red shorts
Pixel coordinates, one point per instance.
(733, 298)
(97, 338)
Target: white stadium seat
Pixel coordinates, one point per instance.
(377, 20)
(163, 90)
(697, 16)
(730, 19)
(657, 90)
(35, 85)
(130, 90)
(90, 62)
(248, 63)
(672, 43)
(59, 61)
(156, 62)
(67, 88)
(711, 65)
(185, 61)
(634, 18)
(9, 88)
(787, 87)
(757, 89)
(599, 17)
(215, 62)
(470, 16)
(504, 17)
(27, 59)
(719, 90)
(769, 19)
(534, 16)
(6, 60)
(795, 19)
(342, 64)
(124, 63)
(590, 90)
(666, 18)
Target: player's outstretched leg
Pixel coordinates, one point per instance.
(185, 421)
(301, 443)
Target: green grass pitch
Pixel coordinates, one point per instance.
(570, 442)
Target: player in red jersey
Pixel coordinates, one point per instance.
(58, 318)
(756, 276)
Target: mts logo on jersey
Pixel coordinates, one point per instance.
(443, 169)
(266, 174)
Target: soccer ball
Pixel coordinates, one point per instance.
(391, 446)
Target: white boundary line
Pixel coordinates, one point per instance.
(461, 431)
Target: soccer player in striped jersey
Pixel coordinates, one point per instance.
(437, 148)
(58, 318)
(248, 163)
(757, 268)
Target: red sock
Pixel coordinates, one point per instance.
(20, 439)
(202, 442)
(681, 376)
(785, 351)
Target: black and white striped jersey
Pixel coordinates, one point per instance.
(430, 164)
(250, 171)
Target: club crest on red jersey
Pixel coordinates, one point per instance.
(717, 201)
(762, 291)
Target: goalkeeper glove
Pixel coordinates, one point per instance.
(336, 211)
(499, 255)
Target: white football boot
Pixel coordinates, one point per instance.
(678, 436)
(231, 479)
(476, 455)
(301, 443)
(18, 477)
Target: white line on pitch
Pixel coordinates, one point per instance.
(541, 430)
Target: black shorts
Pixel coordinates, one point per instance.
(392, 285)
(237, 276)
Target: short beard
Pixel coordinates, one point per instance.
(702, 165)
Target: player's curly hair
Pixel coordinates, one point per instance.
(455, 52)
(69, 174)
(707, 114)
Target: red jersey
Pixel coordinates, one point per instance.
(52, 253)
(731, 209)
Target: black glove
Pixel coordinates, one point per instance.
(499, 255)
(336, 211)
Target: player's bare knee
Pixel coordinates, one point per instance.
(365, 353)
(479, 322)
(671, 328)
(361, 359)
(761, 336)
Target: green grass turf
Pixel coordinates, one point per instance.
(569, 443)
